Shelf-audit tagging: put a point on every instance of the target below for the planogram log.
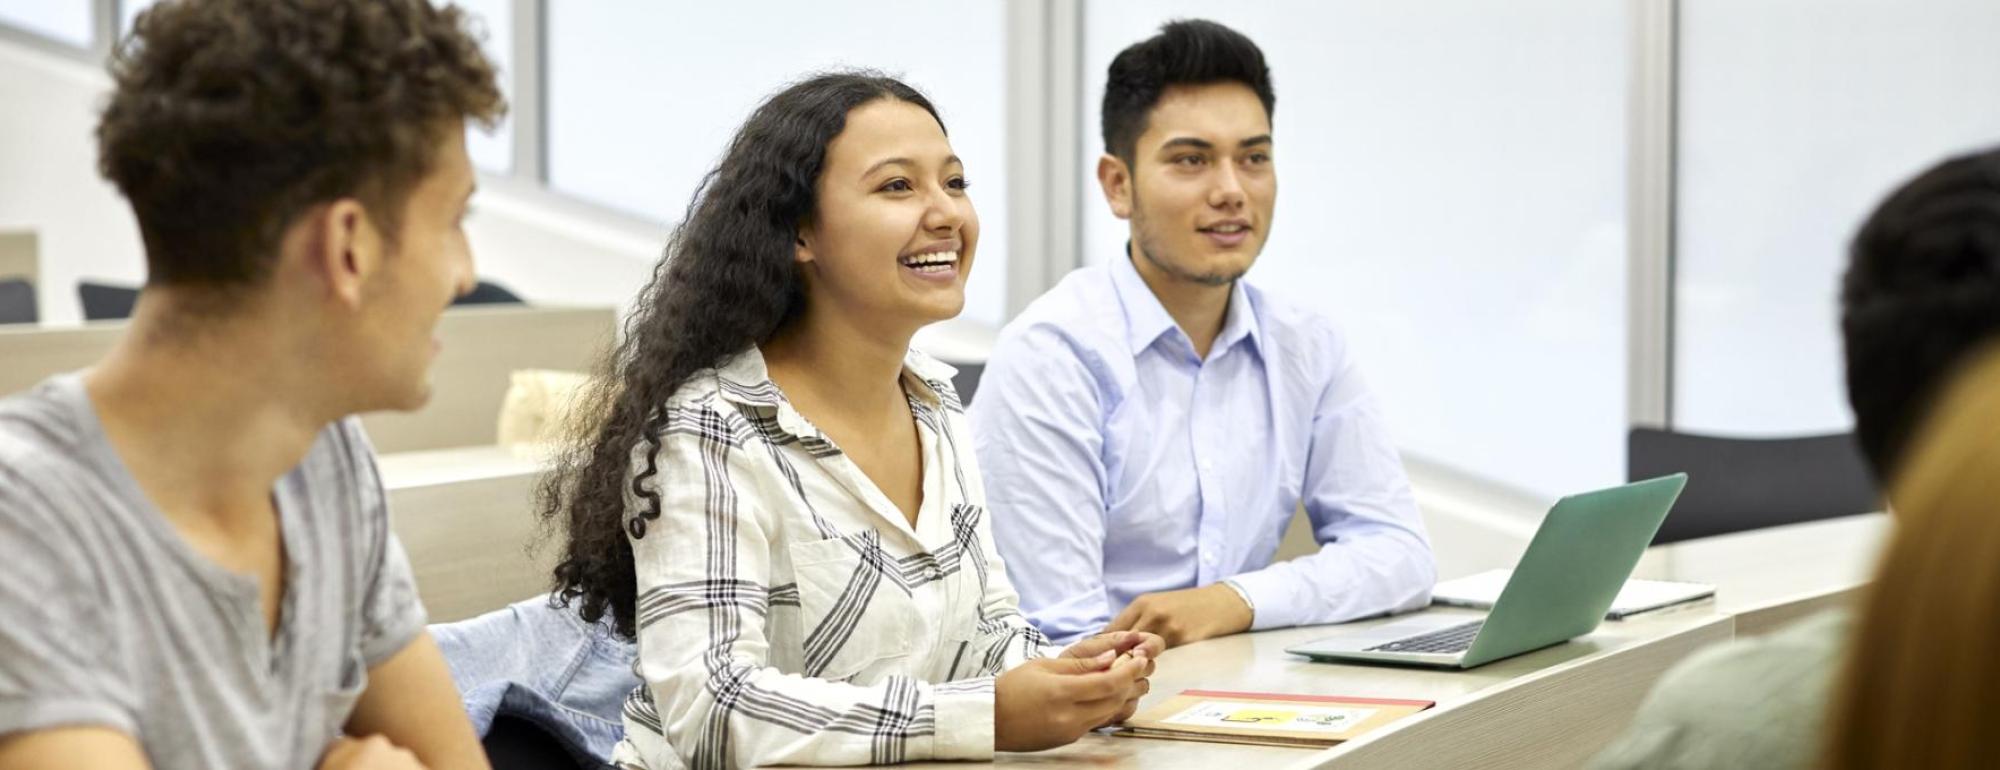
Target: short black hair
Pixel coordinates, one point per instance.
(1185, 52)
(1922, 291)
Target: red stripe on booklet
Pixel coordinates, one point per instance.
(1306, 698)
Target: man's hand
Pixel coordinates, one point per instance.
(1050, 702)
(1123, 643)
(371, 753)
(1186, 616)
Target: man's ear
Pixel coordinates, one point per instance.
(1116, 179)
(344, 249)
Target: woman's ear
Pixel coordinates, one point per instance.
(802, 246)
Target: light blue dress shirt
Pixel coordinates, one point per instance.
(1118, 463)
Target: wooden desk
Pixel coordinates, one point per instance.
(1769, 578)
(466, 518)
(483, 346)
(1550, 708)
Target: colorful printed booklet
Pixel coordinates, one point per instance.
(1267, 718)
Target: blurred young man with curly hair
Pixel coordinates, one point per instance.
(200, 571)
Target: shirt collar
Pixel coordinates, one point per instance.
(1146, 319)
(746, 380)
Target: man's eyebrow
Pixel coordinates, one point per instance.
(1187, 141)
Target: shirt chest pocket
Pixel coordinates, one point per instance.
(858, 621)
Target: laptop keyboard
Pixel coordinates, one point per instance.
(1445, 641)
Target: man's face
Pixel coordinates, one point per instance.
(1201, 185)
(424, 268)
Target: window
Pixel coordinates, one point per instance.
(491, 151)
(643, 98)
(68, 22)
(1453, 197)
(1797, 118)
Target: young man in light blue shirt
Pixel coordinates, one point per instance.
(1148, 427)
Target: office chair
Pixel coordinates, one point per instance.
(106, 302)
(17, 302)
(967, 379)
(487, 293)
(1739, 484)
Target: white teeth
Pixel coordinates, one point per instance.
(931, 262)
(1229, 228)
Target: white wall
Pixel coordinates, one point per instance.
(49, 184)
(1452, 193)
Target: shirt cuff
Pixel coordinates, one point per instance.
(1269, 596)
(964, 714)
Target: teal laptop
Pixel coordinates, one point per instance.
(1571, 572)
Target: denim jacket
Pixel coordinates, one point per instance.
(544, 665)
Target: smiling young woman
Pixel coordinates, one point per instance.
(777, 498)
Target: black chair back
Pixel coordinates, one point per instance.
(486, 293)
(17, 302)
(967, 379)
(1739, 484)
(106, 302)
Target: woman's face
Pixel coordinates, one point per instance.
(892, 238)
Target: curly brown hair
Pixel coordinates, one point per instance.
(230, 118)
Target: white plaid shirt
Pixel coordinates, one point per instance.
(789, 613)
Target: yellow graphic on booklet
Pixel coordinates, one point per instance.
(1291, 720)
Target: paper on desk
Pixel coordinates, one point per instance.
(1481, 590)
(1331, 720)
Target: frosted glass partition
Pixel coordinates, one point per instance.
(643, 97)
(491, 151)
(64, 20)
(1453, 195)
(1797, 117)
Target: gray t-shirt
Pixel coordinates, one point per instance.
(1758, 702)
(109, 618)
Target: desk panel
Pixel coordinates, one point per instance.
(466, 518)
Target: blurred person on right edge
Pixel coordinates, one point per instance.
(1921, 684)
(1921, 294)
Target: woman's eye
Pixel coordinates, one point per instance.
(958, 183)
(897, 185)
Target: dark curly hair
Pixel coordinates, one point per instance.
(230, 118)
(1185, 52)
(727, 282)
(1922, 291)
